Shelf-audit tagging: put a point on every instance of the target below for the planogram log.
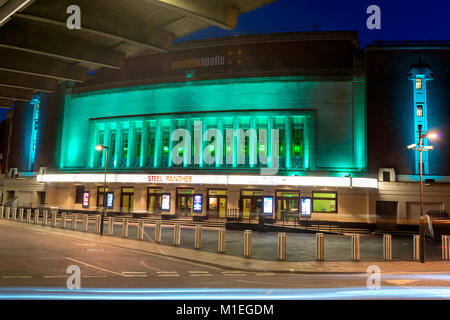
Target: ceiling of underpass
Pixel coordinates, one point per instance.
(38, 50)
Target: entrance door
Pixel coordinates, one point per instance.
(386, 215)
(287, 205)
(251, 203)
(154, 197)
(185, 202)
(217, 203)
(127, 200)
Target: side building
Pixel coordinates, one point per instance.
(407, 86)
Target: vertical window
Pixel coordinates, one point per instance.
(151, 146)
(324, 201)
(419, 83)
(125, 146)
(420, 111)
(112, 147)
(138, 143)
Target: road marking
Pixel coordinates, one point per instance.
(198, 271)
(234, 273)
(90, 265)
(94, 276)
(134, 272)
(167, 274)
(201, 275)
(16, 277)
(54, 277)
(264, 274)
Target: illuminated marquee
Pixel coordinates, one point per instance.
(213, 180)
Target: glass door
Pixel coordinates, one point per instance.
(185, 202)
(287, 205)
(154, 197)
(127, 200)
(217, 203)
(251, 203)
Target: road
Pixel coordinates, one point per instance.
(40, 260)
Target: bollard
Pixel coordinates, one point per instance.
(416, 247)
(2, 212)
(7, 211)
(110, 226)
(282, 246)
(54, 216)
(97, 224)
(14, 213)
(445, 247)
(21, 210)
(36, 216)
(140, 233)
(247, 243)
(387, 247)
(85, 222)
(125, 228)
(355, 247)
(74, 221)
(177, 234)
(28, 215)
(319, 246)
(44, 217)
(63, 220)
(221, 242)
(198, 237)
(158, 231)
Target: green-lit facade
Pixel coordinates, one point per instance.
(321, 124)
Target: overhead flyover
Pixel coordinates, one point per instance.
(38, 51)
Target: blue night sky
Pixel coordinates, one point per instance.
(400, 20)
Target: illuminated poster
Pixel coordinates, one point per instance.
(165, 202)
(86, 199)
(110, 200)
(198, 203)
(306, 206)
(268, 205)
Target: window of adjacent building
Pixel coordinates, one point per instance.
(420, 111)
(79, 194)
(386, 176)
(324, 201)
(419, 83)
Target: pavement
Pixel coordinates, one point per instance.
(229, 262)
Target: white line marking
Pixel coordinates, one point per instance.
(51, 277)
(16, 277)
(201, 275)
(265, 274)
(198, 271)
(90, 265)
(167, 272)
(168, 275)
(134, 272)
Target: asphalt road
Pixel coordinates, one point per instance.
(39, 260)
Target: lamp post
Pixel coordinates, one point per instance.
(421, 148)
(100, 149)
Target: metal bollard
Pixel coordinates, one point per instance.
(74, 221)
(198, 237)
(97, 224)
(125, 228)
(85, 222)
(14, 213)
(177, 234)
(158, 231)
(63, 220)
(247, 243)
(140, 233)
(282, 246)
(36, 216)
(21, 210)
(44, 217)
(54, 216)
(110, 226)
(416, 247)
(221, 242)
(445, 247)
(319, 246)
(355, 247)
(7, 211)
(387, 247)
(28, 215)
(2, 210)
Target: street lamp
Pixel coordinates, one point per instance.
(421, 148)
(100, 148)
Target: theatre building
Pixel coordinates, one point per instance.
(254, 123)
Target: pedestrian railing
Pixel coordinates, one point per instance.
(72, 221)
